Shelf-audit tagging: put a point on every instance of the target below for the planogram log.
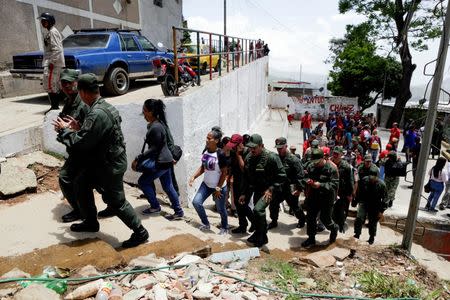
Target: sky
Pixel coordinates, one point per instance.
(297, 32)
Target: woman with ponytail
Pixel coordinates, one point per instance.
(157, 160)
(214, 167)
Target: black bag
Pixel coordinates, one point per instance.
(177, 152)
(427, 187)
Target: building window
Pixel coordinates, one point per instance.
(157, 2)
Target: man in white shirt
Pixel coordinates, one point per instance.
(445, 202)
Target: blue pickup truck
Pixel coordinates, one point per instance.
(115, 56)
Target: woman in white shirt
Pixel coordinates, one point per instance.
(438, 176)
(214, 166)
(445, 202)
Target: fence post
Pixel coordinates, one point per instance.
(227, 48)
(210, 57)
(198, 58)
(234, 50)
(175, 53)
(220, 55)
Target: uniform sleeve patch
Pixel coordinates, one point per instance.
(87, 125)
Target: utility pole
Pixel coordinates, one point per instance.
(426, 142)
(224, 17)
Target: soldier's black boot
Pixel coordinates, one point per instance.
(371, 240)
(301, 224)
(333, 235)
(309, 242)
(239, 229)
(139, 236)
(272, 224)
(74, 215)
(106, 213)
(252, 238)
(86, 226)
(261, 242)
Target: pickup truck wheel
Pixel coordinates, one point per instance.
(169, 86)
(117, 81)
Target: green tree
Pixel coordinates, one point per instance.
(358, 71)
(401, 24)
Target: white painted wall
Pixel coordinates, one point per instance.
(235, 102)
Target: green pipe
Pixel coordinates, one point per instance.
(300, 294)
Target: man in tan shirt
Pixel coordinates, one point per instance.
(53, 60)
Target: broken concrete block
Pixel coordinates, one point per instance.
(144, 282)
(339, 253)
(198, 295)
(36, 291)
(228, 256)
(188, 259)
(7, 292)
(15, 180)
(148, 261)
(159, 293)
(86, 271)
(173, 295)
(249, 296)
(15, 273)
(135, 294)
(320, 259)
(204, 287)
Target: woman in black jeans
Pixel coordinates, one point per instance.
(157, 161)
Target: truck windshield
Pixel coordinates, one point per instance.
(86, 41)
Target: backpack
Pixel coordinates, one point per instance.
(374, 143)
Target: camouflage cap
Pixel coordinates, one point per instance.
(338, 149)
(255, 140)
(355, 139)
(69, 75)
(368, 157)
(280, 142)
(87, 81)
(315, 144)
(316, 154)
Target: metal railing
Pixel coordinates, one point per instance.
(244, 54)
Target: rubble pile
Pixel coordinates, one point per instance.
(186, 276)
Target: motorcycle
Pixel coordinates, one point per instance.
(164, 69)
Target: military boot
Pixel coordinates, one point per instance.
(309, 242)
(139, 236)
(86, 226)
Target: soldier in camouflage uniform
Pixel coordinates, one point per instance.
(391, 181)
(346, 186)
(367, 167)
(291, 188)
(100, 142)
(371, 199)
(321, 184)
(74, 109)
(264, 176)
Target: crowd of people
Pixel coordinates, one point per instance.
(343, 163)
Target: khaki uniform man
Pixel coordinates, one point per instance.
(263, 179)
(100, 142)
(53, 60)
(322, 182)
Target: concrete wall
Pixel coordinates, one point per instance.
(235, 102)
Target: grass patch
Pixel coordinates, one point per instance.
(380, 285)
(284, 276)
